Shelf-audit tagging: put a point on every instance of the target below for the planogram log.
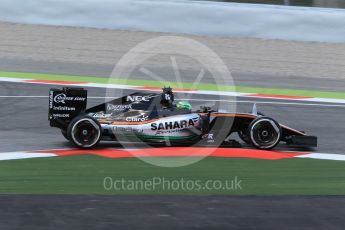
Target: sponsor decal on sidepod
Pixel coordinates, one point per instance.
(111, 107)
(136, 119)
(173, 124)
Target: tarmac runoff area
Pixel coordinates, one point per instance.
(171, 212)
(93, 52)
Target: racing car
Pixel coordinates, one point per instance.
(155, 118)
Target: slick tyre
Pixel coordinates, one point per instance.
(64, 134)
(84, 132)
(264, 133)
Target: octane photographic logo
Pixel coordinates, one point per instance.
(160, 59)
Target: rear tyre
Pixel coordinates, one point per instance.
(264, 133)
(84, 132)
(64, 134)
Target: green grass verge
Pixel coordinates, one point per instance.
(186, 85)
(85, 175)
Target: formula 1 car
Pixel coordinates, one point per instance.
(155, 118)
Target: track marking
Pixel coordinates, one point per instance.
(23, 155)
(200, 92)
(54, 82)
(23, 96)
(279, 96)
(211, 100)
(173, 152)
(155, 152)
(324, 156)
(180, 152)
(268, 102)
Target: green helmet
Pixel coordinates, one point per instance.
(183, 105)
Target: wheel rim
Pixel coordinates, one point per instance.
(265, 133)
(85, 132)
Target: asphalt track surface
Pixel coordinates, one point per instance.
(173, 212)
(25, 125)
(240, 78)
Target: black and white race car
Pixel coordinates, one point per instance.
(155, 118)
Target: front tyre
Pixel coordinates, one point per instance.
(84, 132)
(264, 133)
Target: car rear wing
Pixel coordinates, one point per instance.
(66, 104)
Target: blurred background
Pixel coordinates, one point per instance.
(316, 3)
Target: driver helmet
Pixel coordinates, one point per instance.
(183, 105)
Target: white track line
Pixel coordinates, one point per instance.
(202, 92)
(213, 100)
(268, 102)
(324, 156)
(23, 96)
(48, 153)
(23, 155)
